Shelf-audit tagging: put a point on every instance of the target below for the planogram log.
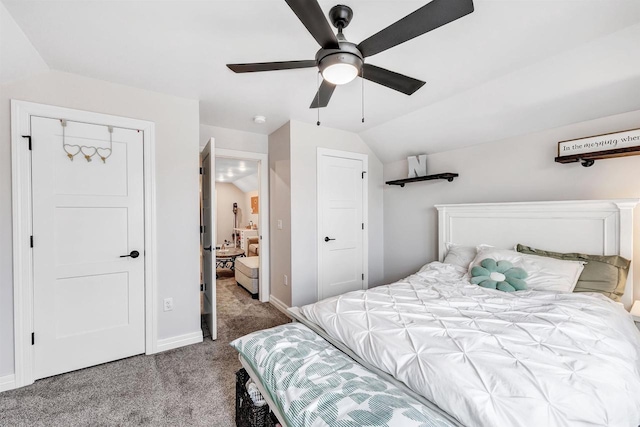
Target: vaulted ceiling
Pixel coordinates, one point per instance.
(511, 67)
(242, 173)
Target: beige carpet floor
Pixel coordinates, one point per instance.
(189, 386)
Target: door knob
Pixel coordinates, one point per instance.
(326, 239)
(133, 254)
(207, 249)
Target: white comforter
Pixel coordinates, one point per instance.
(491, 358)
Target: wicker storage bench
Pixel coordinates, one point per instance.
(247, 413)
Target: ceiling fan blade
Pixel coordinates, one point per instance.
(392, 80)
(323, 96)
(311, 15)
(429, 17)
(270, 66)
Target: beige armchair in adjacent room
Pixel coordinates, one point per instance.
(253, 247)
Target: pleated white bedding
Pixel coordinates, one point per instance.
(491, 358)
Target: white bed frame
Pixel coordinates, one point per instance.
(603, 227)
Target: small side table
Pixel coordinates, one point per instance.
(226, 258)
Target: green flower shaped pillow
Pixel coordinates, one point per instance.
(501, 275)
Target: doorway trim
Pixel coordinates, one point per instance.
(328, 152)
(22, 212)
(263, 160)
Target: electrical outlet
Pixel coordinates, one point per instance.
(286, 280)
(279, 224)
(168, 304)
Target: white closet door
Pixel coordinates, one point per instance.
(340, 225)
(88, 300)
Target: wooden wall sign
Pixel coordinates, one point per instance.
(254, 205)
(609, 145)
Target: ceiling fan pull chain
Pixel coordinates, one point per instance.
(362, 78)
(318, 101)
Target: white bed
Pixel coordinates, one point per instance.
(599, 227)
(491, 358)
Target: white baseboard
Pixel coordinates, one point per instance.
(7, 382)
(279, 305)
(179, 341)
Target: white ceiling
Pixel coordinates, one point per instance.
(242, 173)
(248, 183)
(511, 67)
(229, 170)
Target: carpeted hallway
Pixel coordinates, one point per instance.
(190, 386)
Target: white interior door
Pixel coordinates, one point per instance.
(88, 300)
(208, 239)
(341, 263)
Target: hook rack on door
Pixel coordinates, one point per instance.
(87, 151)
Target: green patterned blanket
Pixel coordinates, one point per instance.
(314, 384)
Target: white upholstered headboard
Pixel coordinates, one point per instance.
(603, 227)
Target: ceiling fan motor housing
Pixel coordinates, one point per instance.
(347, 54)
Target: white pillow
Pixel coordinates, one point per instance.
(545, 274)
(459, 256)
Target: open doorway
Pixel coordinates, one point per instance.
(235, 238)
(237, 223)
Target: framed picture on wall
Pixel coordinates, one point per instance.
(254, 205)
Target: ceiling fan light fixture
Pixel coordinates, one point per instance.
(340, 74)
(340, 68)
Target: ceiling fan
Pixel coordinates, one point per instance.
(340, 61)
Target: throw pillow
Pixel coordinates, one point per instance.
(545, 274)
(459, 255)
(605, 274)
(501, 275)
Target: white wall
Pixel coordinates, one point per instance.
(232, 139)
(18, 57)
(305, 140)
(515, 169)
(226, 195)
(177, 122)
(280, 210)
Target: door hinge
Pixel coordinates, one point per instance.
(33, 338)
(201, 171)
(363, 172)
(363, 225)
(201, 229)
(31, 241)
(201, 287)
(205, 286)
(362, 276)
(29, 139)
